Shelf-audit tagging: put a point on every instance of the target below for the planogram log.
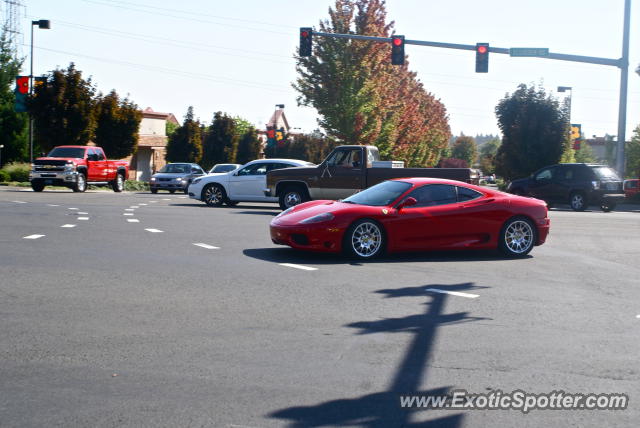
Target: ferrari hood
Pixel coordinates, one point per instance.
(313, 208)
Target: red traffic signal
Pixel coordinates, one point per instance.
(22, 84)
(397, 50)
(306, 41)
(482, 57)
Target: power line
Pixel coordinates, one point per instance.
(219, 79)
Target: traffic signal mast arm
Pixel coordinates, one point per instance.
(551, 55)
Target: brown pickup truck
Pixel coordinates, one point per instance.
(347, 170)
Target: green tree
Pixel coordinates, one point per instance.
(534, 130)
(585, 154)
(632, 153)
(465, 148)
(170, 128)
(117, 125)
(221, 141)
(63, 109)
(13, 126)
(249, 146)
(361, 97)
(185, 144)
(490, 147)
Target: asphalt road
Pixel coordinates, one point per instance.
(187, 317)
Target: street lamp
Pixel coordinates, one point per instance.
(44, 24)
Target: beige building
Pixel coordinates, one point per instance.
(152, 144)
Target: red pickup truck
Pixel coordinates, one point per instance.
(76, 167)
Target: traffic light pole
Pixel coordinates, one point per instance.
(621, 63)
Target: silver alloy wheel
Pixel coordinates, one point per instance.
(81, 183)
(292, 199)
(518, 237)
(119, 183)
(366, 239)
(213, 195)
(577, 201)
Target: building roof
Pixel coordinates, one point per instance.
(150, 114)
(279, 120)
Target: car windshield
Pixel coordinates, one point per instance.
(606, 173)
(175, 169)
(380, 194)
(222, 168)
(67, 152)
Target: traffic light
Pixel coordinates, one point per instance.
(21, 92)
(306, 41)
(482, 57)
(397, 50)
(576, 135)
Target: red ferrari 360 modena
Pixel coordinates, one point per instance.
(415, 214)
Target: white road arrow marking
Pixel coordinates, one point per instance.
(453, 293)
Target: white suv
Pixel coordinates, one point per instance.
(245, 184)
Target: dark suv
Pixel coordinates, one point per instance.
(578, 184)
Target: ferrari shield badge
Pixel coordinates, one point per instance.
(385, 211)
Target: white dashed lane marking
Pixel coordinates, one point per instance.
(207, 246)
(143, 205)
(52, 205)
(74, 208)
(33, 236)
(82, 213)
(453, 293)
(19, 202)
(301, 267)
(83, 218)
(153, 230)
(129, 209)
(134, 206)
(68, 225)
(166, 199)
(127, 214)
(133, 220)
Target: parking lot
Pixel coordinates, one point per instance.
(136, 309)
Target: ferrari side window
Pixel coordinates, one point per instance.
(466, 194)
(434, 194)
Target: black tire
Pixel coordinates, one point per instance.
(214, 195)
(37, 186)
(80, 184)
(118, 184)
(291, 196)
(231, 203)
(365, 239)
(578, 201)
(172, 191)
(186, 190)
(154, 191)
(517, 237)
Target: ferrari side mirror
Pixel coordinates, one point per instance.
(409, 202)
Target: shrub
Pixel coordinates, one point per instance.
(18, 171)
(132, 186)
(4, 176)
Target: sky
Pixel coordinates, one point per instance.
(237, 56)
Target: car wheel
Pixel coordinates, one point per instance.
(577, 201)
(37, 187)
(81, 183)
(154, 191)
(292, 196)
(517, 237)
(213, 195)
(364, 239)
(118, 183)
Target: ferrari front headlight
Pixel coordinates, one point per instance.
(318, 218)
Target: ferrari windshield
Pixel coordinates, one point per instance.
(380, 194)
